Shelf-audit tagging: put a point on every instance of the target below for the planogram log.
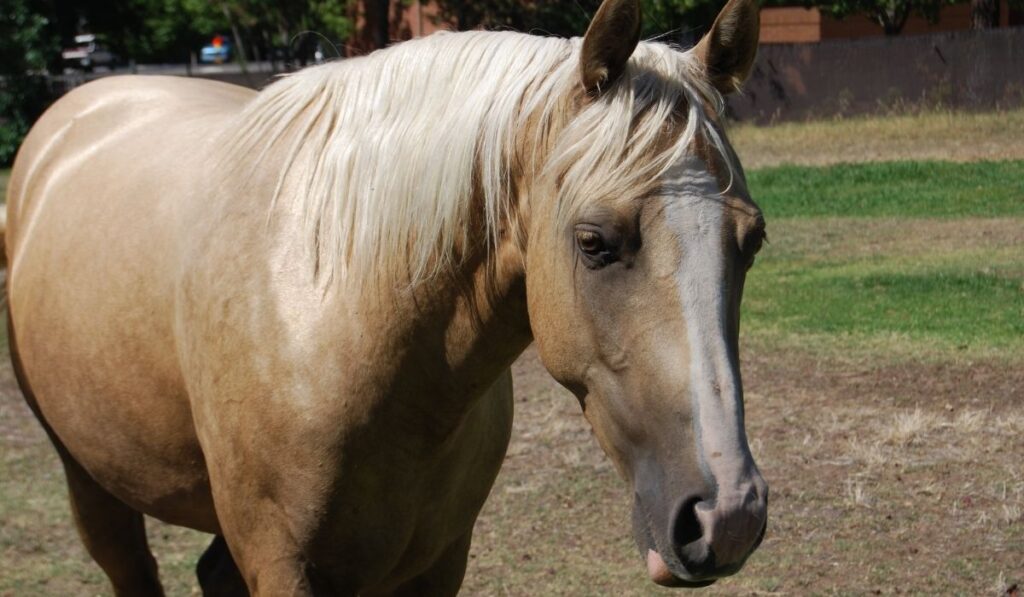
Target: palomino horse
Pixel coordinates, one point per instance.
(287, 318)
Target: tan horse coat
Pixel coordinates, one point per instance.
(129, 322)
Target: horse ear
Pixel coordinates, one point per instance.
(729, 49)
(609, 42)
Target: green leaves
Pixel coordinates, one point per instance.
(25, 48)
(25, 45)
(891, 15)
(672, 20)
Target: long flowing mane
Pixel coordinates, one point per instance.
(400, 154)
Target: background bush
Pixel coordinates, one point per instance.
(22, 100)
(26, 45)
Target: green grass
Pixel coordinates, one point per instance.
(952, 309)
(908, 189)
(932, 264)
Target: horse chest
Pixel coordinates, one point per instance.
(386, 514)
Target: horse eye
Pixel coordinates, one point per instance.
(590, 242)
(595, 249)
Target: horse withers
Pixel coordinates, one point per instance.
(287, 318)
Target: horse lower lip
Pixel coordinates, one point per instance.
(658, 570)
(661, 575)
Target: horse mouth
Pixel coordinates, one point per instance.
(661, 575)
(666, 572)
(665, 563)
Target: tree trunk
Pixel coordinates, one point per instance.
(984, 14)
(378, 20)
(240, 52)
(892, 22)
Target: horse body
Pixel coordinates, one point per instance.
(244, 313)
(94, 251)
(182, 306)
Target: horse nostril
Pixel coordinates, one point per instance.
(687, 528)
(688, 542)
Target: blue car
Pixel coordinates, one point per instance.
(219, 51)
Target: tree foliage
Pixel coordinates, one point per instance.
(26, 46)
(169, 30)
(891, 15)
(680, 21)
(31, 32)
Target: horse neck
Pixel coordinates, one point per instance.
(489, 324)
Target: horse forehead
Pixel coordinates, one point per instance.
(693, 195)
(700, 190)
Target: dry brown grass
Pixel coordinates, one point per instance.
(954, 136)
(885, 478)
(917, 239)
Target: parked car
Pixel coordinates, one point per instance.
(88, 53)
(218, 51)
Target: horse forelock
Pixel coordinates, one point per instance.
(394, 160)
(621, 144)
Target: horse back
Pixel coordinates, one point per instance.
(106, 119)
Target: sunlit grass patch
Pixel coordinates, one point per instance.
(904, 189)
(937, 309)
(900, 260)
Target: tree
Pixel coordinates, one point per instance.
(681, 21)
(169, 30)
(26, 47)
(295, 25)
(891, 15)
(984, 14)
(141, 30)
(378, 18)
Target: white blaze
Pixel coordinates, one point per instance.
(694, 209)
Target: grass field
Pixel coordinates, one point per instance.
(908, 258)
(891, 189)
(883, 358)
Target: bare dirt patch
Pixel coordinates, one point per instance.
(884, 478)
(830, 239)
(953, 136)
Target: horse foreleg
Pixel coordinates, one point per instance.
(217, 572)
(267, 565)
(444, 577)
(113, 533)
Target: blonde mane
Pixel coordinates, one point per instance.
(401, 149)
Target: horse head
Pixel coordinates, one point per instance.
(640, 234)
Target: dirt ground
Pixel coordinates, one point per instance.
(886, 478)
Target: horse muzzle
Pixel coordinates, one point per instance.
(705, 539)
